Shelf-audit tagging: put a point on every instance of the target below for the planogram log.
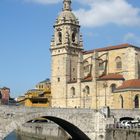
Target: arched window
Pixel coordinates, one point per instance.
(39, 86)
(59, 37)
(73, 91)
(86, 66)
(65, 6)
(121, 101)
(73, 36)
(113, 87)
(136, 101)
(118, 62)
(87, 90)
(58, 79)
(101, 65)
(0, 95)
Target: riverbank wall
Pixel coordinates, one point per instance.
(42, 131)
(123, 134)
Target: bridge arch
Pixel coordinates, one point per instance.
(74, 131)
(126, 118)
(67, 123)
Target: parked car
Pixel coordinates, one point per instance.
(123, 123)
(135, 123)
(128, 123)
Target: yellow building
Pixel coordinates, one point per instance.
(39, 97)
(21, 100)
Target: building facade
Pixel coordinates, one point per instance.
(38, 97)
(107, 76)
(4, 95)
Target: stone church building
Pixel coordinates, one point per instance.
(108, 76)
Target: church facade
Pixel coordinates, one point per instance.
(108, 76)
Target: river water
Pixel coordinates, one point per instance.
(16, 136)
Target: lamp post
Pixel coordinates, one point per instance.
(105, 86)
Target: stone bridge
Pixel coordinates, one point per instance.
(88, 122)
(132, 113)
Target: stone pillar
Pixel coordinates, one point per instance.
(94, 79)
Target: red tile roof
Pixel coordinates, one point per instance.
(112, 76)
(72, 82)
(89, 51)
(88, 78)
(134, 83)
(121, 46)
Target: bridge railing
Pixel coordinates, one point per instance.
(120, 126)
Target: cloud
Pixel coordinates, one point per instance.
(132, 38)
(102, 12)
(129, 36)
(44, 1)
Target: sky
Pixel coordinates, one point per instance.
(26, 29)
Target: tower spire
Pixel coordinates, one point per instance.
(67, 5)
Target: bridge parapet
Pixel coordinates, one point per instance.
(13, 117)
(120, 113)
(91, 122)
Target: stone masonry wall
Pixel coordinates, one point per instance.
(122, 134)
(43, 130)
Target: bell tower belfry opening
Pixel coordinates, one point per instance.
(66, 46)
(67, 5)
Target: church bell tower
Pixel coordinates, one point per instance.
(66, 46)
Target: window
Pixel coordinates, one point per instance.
(0, 95)
(86, 66)
(73, 37)
(74, 79)
(58, 79)
(121, 101)
(101, 66)
(60, 37)
(136, 101)
(113, 87)
(65, 6)
(73, 91)
(118, 63)
(87, 90)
